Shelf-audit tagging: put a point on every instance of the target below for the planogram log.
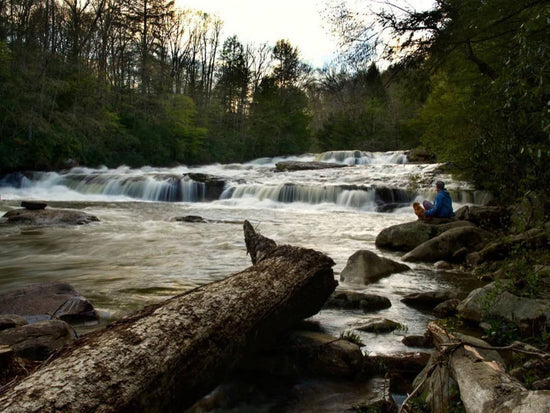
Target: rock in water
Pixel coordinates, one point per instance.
(365, 267)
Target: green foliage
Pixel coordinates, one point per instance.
(501, 332)
(352, 337)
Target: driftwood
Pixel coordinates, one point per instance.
(483, 383)
(168, 355)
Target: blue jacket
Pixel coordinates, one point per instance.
(443, 206)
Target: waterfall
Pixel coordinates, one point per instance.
(363, 198)
(372, 181)
(363, 158)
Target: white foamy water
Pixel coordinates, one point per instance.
(137, 254)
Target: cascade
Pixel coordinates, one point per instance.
(372, 181)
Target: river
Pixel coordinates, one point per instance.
(138, 253)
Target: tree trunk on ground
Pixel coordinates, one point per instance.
(483, 383)
(168, 355)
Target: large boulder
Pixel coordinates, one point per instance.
(353, 300)
(406, 237)
(42, 301)
(529, 314)
(487, 217)
(37, 341)
(365, 267)
(304, 352)
(452, 245)
(48, 217)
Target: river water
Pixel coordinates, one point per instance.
(138, 254)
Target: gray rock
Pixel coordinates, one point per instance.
(353, 300)
(365, 267)
(37, 341)
(445, 246)
(11, 321)
(406, 237)
(380, 326)
(285, 166)
(447, 308)
(529, 314)
(486, 217)
(418, 341)
(429, 299)
(48, 217)
(323, 354)
(41, 301)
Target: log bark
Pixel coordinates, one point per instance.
(168, 355)
(484, 384)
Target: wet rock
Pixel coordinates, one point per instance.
(309, 353)
(352, 300)
(445, 246)
(33, 205)
(42, 301)
(322, 354)
(11, 366)
(365, 267)
(447, 308)
(11, 321)
(408, 236)
(49, 217)
(191, 218)
(443, 265)
(424, 341)
(428, 299)
(529, 314)
(379, 398)
(289, 166)
(380, 326)
(404, 364)
(213, 185)
(37, 341)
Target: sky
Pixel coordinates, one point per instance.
(266, 21)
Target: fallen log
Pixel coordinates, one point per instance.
(483, 383)
(170, 354)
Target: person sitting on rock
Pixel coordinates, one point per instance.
(443, 204)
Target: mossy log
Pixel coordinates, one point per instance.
(170, 354)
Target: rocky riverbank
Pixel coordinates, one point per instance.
(512, 305)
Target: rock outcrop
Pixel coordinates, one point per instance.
(408, 236)
(48, 216)
(365, 267)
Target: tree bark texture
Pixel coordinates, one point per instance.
(484, 384)
(170, 354)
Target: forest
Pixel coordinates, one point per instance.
(142, 82)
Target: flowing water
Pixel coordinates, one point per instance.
(138, 254)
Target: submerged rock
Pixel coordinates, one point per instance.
(352, 300)
(49, 217)
(42, 301)
(365, 267)
(380, 326)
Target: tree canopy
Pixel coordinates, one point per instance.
(141, 82)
